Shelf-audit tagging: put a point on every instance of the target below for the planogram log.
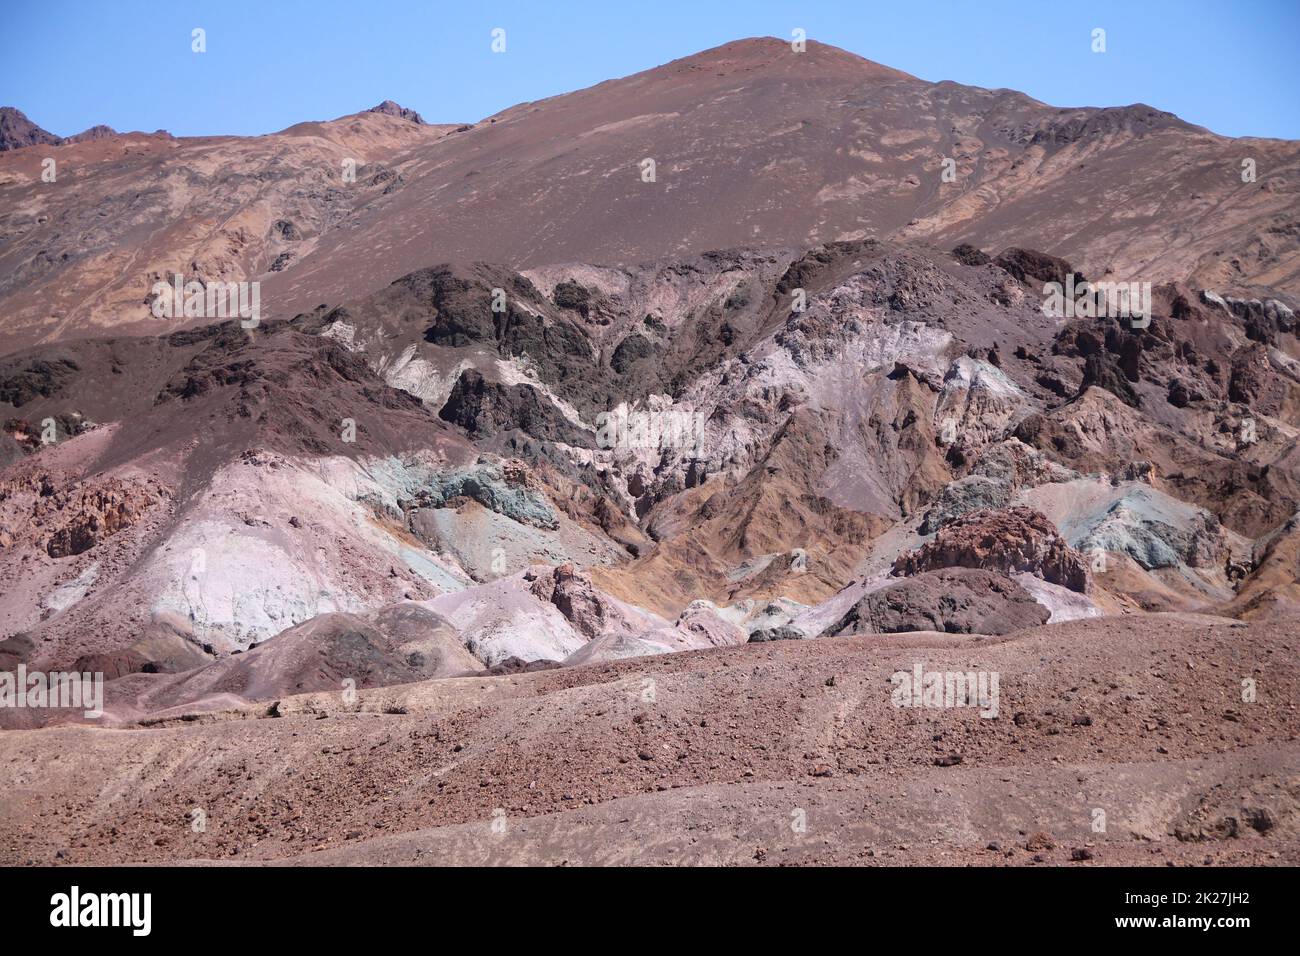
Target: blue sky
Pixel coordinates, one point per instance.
(69, 64)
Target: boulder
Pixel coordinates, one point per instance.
(782, 633)
(954, 600)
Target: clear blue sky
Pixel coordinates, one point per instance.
(69, 64)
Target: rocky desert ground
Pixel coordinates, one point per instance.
(753, 507)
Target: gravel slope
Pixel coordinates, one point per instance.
(1139, 716)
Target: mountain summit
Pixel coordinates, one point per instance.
(389, 108)
(17, 131)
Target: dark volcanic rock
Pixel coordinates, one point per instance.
(955, 600)
(970, 255)
(1103, 370)
(286, 230)
(282, 389)
(631, 350)
(17, 131)
(485, 408)
(782, 633)
(1034, 267)
(572, 295)
(22, 381)
(14, 651)
(1250, 372)
(1180, 396)
(1138, 119)
(515, 665)
(389, 108)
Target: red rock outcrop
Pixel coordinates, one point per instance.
(1011, 540)
(67, 518)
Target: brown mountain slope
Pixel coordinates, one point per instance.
(79, 255)
(753, 144)
(756, 144)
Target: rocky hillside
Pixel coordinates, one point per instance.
(871, 427)
(551, 486)
(752, 144)
(79, 255)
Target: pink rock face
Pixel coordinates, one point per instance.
(706, 625)
(95, 515)
(569, 588)
(1011, 540)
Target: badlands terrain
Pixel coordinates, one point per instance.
(552, 514)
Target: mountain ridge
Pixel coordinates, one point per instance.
(754, 146)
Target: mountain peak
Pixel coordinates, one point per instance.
(389, 108)
(95, 132)
(752, 53)
(16, 131)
